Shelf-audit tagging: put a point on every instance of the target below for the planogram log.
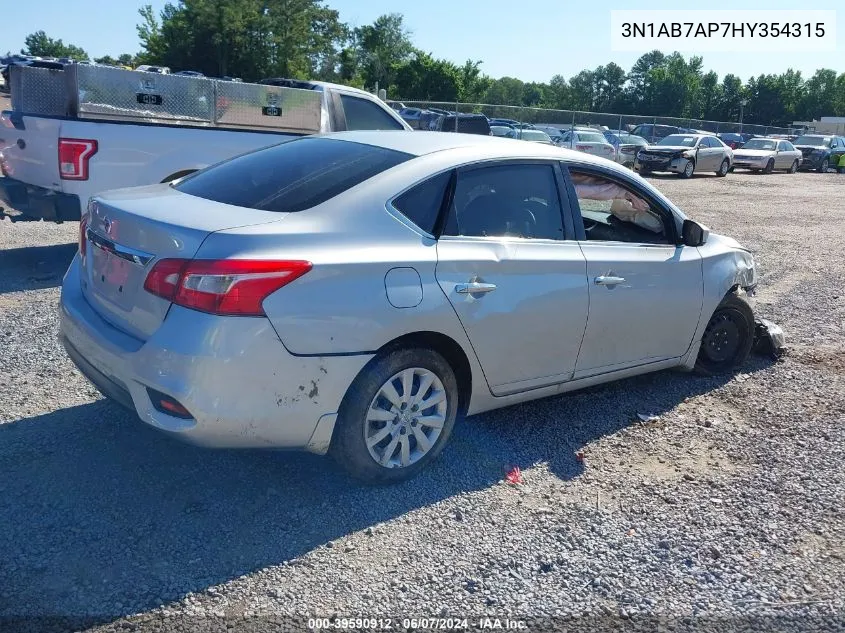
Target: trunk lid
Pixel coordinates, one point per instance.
(128, 230)
(29, 145)
(605, 150)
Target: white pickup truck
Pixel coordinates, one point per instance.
(75, 132)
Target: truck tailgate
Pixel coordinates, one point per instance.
(29, 145)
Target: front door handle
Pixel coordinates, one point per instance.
(609, 280)
(474, 287)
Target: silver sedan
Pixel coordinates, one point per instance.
(357, 293)
(767, 155)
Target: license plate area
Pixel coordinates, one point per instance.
(114, 279)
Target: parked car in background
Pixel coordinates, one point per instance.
(466, 124)
(534, 136)
(189, 73)
(684, 154)
(509, 122)
(161, 70)
(732, 139)
(412, 116)
(626, 145)
(590, 142)
(428, 118)
(504, 131)
(653, 133)
(228, 315)
(767, 155)
(819, 151)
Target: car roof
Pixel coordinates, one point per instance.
(489, 147)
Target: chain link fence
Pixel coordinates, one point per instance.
(567, 119)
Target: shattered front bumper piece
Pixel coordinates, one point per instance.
(768, 338)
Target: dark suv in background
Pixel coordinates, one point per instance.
(653, 133)
(819, 151)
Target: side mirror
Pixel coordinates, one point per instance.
(694, 234)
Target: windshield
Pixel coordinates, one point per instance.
(812, 140)
(760, 143)
(678, 140)
(589, 137)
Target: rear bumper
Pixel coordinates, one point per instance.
(233, 374)
(39, 203)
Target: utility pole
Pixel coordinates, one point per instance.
(742, 105)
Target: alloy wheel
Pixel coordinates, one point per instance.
(405, 418)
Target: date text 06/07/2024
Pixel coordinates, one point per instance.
(442, 624)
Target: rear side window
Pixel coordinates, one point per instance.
(421, 203)
(363, 114)
(292, 176)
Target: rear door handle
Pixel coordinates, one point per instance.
(474, 287)
(608, 280)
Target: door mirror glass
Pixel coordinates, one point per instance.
(694, 234)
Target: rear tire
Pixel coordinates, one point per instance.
(728, 337)
(723, 168)
(793, 168)
(378, 422)
(770, 166)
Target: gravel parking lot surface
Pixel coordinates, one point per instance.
(728, 509)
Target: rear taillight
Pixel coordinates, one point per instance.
(225, 286)
(74, 154)
(83, 238)
(582, 148)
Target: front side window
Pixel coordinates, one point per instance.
(291, 176)
(518, 200)
(614, 212)
(363, 114)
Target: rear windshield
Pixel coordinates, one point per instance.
(292, 176)
(589, 137)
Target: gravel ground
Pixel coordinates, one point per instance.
(726, 511)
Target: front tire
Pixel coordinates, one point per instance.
(728, 337)
(689, 169)
(823, 166)
(396, 416)
(723, 168)
(770, 166)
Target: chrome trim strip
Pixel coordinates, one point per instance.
(124, 252)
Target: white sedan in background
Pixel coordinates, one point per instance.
(768, 154)
(589, 142)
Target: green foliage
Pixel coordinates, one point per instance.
(39, 44)
(254, 39)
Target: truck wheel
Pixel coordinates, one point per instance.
(728, 337)
(396, 416)
(823, 166)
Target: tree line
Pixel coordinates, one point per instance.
(306, 39)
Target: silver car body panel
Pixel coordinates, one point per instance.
(279, 380)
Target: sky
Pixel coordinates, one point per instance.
(532, 40)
